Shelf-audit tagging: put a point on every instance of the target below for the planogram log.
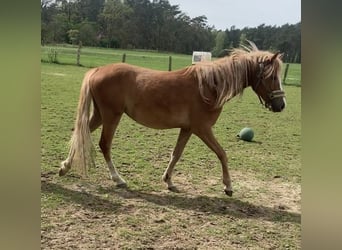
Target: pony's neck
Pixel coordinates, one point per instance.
(252, 72)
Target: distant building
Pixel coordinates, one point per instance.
(200, 56)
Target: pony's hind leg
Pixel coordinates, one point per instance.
(65, 167)
(108, 130)
(183, 138)
(95, 119)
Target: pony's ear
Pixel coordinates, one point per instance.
(281, 55)
(275, 56)
(271, 60)
(252, 45)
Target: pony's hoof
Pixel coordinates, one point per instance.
(173, 189)
(65, 167)
(61, 172)
(122, 185)
(229, 192)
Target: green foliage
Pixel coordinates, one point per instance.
(88, 35)
(286, 39)
(156, 25)
(219, 43)
(73, 36)
(153, 25)
(52, 55)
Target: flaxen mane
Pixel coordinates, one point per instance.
(228, 76)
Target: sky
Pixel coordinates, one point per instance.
(242, 13)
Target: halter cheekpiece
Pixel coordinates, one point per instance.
(271, 94)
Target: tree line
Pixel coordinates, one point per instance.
(154, 25)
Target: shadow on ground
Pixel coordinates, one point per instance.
(86, 199)
(199, 203)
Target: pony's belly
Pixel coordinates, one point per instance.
(157, 120)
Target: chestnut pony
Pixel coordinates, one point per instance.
(190, 99)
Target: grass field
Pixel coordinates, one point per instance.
(264, 212)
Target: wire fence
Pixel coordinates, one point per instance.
(93, 57)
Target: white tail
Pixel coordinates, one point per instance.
(81, 147)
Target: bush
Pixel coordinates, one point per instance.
(52, 55)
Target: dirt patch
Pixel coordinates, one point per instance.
(274, 192)
(97, 215)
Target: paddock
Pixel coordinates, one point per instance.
(264, 212)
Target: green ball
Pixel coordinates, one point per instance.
(246, 134)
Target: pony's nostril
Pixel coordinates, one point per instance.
(282, 106)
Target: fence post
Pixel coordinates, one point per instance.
(170, 63)
(285, 73)
(79, 53)
(124, 57)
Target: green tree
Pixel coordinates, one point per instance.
(88, 34)
(219, 43)
(48, 13)
(73, 36)
(113, 23)
(157, 25)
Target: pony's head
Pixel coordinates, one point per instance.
(268, 83)
(265, 77)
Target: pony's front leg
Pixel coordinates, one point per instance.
(183, 138)
(209, 139)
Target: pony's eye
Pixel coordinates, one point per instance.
(274, 78)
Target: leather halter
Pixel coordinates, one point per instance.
(272, 94)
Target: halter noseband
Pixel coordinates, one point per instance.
(271, 94)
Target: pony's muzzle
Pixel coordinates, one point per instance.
(278, 104)
(277, 100)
